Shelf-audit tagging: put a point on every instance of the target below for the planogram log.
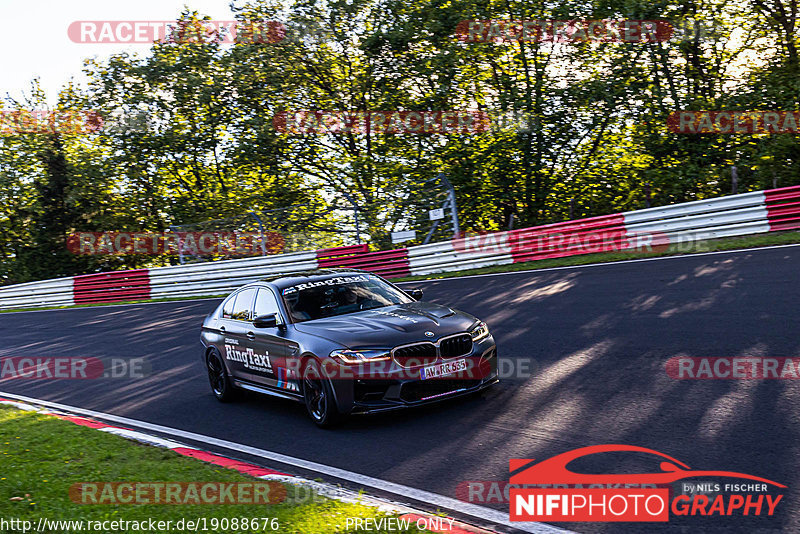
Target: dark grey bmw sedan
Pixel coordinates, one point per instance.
(344, 342)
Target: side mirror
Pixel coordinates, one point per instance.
(415, 294)
(266, 321)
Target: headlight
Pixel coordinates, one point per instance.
(351, 357)
(479, 332)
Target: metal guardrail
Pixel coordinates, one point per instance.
(744, 200)
(56, 292)
(217, 278)
(735, 215)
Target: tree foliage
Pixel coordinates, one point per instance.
(189, 133)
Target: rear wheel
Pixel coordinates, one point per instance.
(318, 396)
(218, 377)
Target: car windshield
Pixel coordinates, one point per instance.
(340, 295)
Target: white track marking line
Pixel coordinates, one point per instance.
(441, 501)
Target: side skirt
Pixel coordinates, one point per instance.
(267, 391)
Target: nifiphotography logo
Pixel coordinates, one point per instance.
(578, 497)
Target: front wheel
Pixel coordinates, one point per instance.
(318, 396)
(218, 378)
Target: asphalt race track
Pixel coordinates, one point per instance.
(598, 338)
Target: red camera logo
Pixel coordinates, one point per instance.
(605, 504)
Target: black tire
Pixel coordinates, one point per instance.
(318, 396)
(218, 377)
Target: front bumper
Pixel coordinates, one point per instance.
(368, 408)
(405, 389)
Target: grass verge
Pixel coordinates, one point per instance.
(42, 456)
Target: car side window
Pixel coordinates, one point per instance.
(227, 308)
(242, 308)
(266, 304)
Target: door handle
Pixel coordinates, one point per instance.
(251, 336)
(222, 329)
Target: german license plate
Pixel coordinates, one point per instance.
(443, 369)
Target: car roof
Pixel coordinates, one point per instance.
(284, 280)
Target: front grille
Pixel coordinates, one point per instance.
(417, 391)
(456, 346)
(417, 354)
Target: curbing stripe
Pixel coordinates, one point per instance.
(20, 405)
(242, 467)
(142, 437)
(81, 421)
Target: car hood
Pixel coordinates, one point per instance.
(390, 326)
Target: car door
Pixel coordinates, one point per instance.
(267, 364)
(234, 324)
